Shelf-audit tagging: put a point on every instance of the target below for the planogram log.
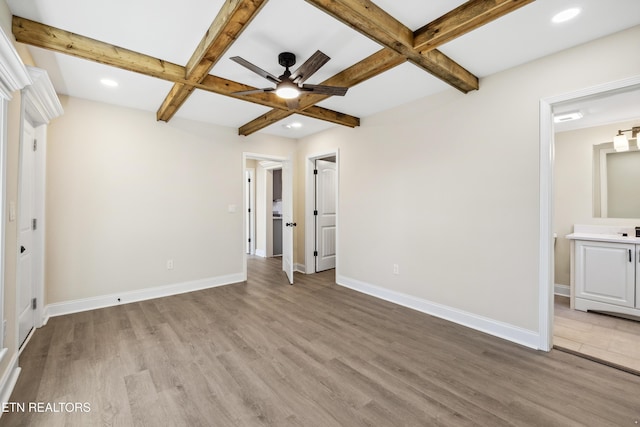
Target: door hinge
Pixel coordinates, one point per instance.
(34, 224)
(315, 253)
(34, 303)
(315, 171)
(35, 144)
(249, 210)
(315, 213)
(249, 180)
(249, 240)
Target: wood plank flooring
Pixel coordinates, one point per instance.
(610, 339)
(263, 353)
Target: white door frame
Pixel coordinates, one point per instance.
(251, 156)
(546, 266)
(252, 205)
(40, 104)
(309, 228)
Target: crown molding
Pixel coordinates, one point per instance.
(13, 73)
(41, 101)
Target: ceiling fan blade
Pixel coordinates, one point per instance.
(310, 66)
(259, 71)
(251, 92)
(325, 90)
(293, 103)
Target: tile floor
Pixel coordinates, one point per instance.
(613, 340)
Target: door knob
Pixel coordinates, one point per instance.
(22, 249)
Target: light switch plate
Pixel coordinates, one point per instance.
(232, 208)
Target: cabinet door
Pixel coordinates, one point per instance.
(605, 272)
(637, 276)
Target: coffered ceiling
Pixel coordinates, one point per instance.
(381, 50)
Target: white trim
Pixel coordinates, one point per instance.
(483, 324)
(13, 73)
(546, 281)
(546, 254)
(300, 268)
(562, 290)
(261, 253)
(309, 228)
(75, 306)
(3, 214)
(9, 379)
(40, 98)
(39, 186)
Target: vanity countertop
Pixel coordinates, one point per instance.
(600, 237)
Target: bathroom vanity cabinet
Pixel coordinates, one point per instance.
(605, 273)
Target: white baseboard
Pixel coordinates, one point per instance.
(75, 306)
(563, 290)
(9, 379)
(300, 268)
(261, 253)
(490, 326)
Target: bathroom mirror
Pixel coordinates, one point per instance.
(616, 181)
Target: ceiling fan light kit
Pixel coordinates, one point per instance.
(287, 90)
(290, 85)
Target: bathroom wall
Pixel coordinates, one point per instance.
(573, 184)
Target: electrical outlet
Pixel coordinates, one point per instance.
(169, 264)
(396, 269)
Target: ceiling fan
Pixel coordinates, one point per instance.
(290, 85)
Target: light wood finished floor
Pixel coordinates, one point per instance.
(314, 354)
(610, 339)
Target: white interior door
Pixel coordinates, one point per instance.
(26, 312)
(287, 219)
(326, 184)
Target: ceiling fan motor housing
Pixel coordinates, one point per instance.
(287, 59)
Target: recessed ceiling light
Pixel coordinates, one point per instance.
(566, 15)
(109, 82)
(293, 125)
(567, 117)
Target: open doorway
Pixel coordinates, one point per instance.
(271, 234)
(567, 150)
(321, 237)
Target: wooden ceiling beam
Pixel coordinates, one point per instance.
(263, 121)
(57, 40)
(461, 20)
(371, 66)
(232, 19)
(419, 47)
(275, 115)
(51, 38)
(372, 21)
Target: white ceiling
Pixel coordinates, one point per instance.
(599, 110)
(164, 30)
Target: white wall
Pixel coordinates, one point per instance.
(125, 193)
(574, 187)
(448, 186)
